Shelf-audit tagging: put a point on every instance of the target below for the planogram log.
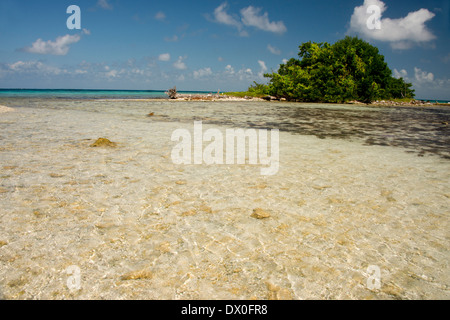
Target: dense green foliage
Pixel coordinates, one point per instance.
(350, 69)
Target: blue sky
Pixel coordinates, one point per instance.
(209, 45)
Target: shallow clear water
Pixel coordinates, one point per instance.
(137, 226)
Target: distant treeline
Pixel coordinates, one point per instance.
(350, 69)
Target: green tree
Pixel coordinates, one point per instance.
(350, 69)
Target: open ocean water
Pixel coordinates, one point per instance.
(87, 94)
(358, 189)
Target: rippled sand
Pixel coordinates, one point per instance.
(139, 227)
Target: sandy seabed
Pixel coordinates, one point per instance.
(136, 226)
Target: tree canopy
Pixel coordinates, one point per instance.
(350, 69)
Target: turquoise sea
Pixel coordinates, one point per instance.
(87, 94)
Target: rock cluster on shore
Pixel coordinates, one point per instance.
(390, 103)
(213, 97)
(224, 97)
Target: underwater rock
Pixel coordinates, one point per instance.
(259, 213)
(103, 142)
(137, 275)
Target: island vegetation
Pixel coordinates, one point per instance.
(348, 70)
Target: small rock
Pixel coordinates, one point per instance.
(56, 175)
(164, 247)
(137, 275)
(205, 208)
(278, 293)
(393, 290)
(189, 213)
(103, 142)
(151, 114)
(259, 213)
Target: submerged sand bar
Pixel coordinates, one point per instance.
(137, 226)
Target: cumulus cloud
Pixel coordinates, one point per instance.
(202, 73)
(245, 74)
(33, 67)
(179, 64)
(164, 57)
(400, 74)
(251, 17)
(263, 70)
(273, 50)
(229, 69)
(401, 33)
(59, 47)
(420, 76)
(221, 16)
(423, 76)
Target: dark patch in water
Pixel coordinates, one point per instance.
(425, 131)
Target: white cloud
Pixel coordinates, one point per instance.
(221, 16)
(58, 47)
(400, 74)
(202, 73)
(164, 57)
(262, 64)
(104, 4)
(245, 74)
(111, 74)
(34, 67)
(423, 76)
(402, 33)
(229, 69)
(179, 64)
(161, 16)
(251, 17)
(273, 50)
